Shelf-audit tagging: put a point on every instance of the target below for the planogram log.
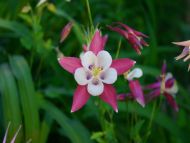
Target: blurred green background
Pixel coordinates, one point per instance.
(37, 93)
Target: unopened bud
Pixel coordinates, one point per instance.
(65, 32)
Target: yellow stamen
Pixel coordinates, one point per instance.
(126, 74)
(96, 71)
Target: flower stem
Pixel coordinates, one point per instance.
(89, 13)
(118, 49)
(107, 124)
(151, 120)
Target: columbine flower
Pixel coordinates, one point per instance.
(186, 51)
(14, 137)
(135, 87)
(65, 32)
(167, 86)
(94, 72)
(134, 37)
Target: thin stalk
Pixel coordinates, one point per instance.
(89, 13)
(152, 115)
(151, 120)
(107, 126)
(118, 49)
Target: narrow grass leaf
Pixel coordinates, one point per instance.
(73, 129)
(10, 101)
(22, 73)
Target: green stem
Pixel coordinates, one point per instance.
(151, 120)
(118, 49)
(107, 125)
(152, 115)
(89, 13)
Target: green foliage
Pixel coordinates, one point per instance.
(10, 98)
(36, 93)
(73, 129)
(27, 95)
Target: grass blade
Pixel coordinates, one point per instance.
(73, 129)
(22, 73)
(10, 101)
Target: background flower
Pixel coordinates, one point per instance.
(134, 85)
(186, 51)
(134, 37)
(166, 86)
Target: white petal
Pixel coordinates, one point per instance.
(81, 76)
(81, 55)
(135, 73)
(95, 88)
(88, 59)
(173, 90)
(168, 76)
(109, 76)
(104, 60)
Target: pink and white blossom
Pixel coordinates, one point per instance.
(166, 86)
(136, 92)
(186, 51)
(95, 72)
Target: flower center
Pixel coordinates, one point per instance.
(96, 71)
(126, 74)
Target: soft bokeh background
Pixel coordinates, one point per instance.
(37, 93)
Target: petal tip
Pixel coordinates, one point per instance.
(174, 43)
(141, 102)
(143, 105)
(116, 110)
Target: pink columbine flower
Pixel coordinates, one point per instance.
(134, 37)
(186, 51)
(14, 137)
(135, 87)
(95, 72)
(65, 31)
(167, 86)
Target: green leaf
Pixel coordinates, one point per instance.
(148, 70)
(10, 101)
(21, 30)
(135, 131)
(22, 73)
(45, 129)
(73, 129)
(160, 117)
(96, 135)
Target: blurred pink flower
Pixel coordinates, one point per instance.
(134, 37)
(65, 31)
(95, 72)
(186, 51)
(135, 87)
(167, 86)
(14, 137)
